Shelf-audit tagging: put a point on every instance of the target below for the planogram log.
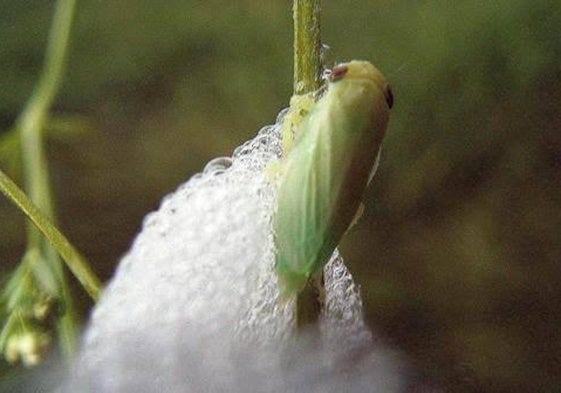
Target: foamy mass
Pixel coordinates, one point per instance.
(194, 306)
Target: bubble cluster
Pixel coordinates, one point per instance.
(194, 305)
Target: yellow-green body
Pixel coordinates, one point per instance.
(323, 177)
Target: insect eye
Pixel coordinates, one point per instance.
(389, 96)
(338, 73)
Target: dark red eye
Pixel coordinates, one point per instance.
(389, 96)
(338, 72)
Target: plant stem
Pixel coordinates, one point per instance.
(307, 79)
(35, 166)
(307, 46)
(77, 264)
(308, 306)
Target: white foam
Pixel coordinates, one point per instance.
(194, 305)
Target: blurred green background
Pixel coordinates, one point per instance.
(459, 252)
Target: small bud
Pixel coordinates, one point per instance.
(42, 308)
(29, 347)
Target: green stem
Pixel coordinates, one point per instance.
(75, 261)
(307, 46)
(307, 79)
(32, 119)
(35, 166)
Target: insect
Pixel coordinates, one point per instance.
(322, 179)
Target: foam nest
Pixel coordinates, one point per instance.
(194, 305)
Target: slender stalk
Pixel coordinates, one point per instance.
(35, 166)
(308, 306)
(307, 46)
(307, 79)
(32, 119)
(75, 261)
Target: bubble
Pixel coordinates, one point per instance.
(217, 164)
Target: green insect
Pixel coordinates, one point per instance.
(322, 179)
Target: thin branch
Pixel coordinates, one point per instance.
(307, 79)
(307, 46)
(35, 167)
(75, 261)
